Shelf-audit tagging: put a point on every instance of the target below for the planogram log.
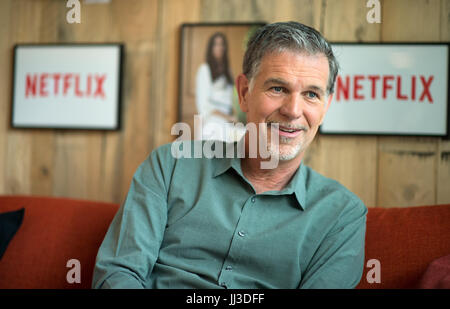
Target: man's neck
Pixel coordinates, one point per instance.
(269, 179)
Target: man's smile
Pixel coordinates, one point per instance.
(288, 131)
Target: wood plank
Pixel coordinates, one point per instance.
(70, 172)
(5, 85)
(410, 21)
(77, 165)
(111, 167)
(407, 173)
(18, 163)
(443, 173)
(164, 82)
(445, 21)
(24, 27)
(42, 158)
(345, 21)
(304, 11)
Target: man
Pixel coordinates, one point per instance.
(226, 222)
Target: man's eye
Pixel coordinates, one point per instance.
(311, 95)
(277, 89)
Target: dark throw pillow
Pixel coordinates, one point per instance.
(9, 224)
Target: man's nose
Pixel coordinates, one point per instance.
(292, 107)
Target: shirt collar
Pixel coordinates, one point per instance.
(296, 186)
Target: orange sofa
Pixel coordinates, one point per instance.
(55, 230)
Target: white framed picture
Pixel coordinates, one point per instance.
(67, 86)
(390, 89)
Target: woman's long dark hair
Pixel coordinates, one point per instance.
(218, 68)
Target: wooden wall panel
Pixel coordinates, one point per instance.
(42, 158)
(5, 86)
(19, 143)
(443, 173)
(407, 171)
(383, 171)
(410, 21)
(305, 11)
(171, 15)
(345, 21)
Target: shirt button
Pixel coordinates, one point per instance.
(253, 199)
(229, 267)
(241, 233)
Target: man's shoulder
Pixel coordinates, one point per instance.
(322, 188)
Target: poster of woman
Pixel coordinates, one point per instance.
(211, 58)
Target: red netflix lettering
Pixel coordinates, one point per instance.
(403, 88)
(374, 79)
(340, 87)
(400, 96)
(386, 86)
(65, 84)
(413, 88)
(357, 86)
(100, 80)
(88, 87)
(42, 85)
(56, 78)
(78, 93)
(30, 85)
(426, 88)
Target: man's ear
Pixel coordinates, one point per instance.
(242, 87)
(327, 106)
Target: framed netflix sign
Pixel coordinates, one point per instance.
(390, 89)
(67, 86)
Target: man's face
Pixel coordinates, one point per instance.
(289, 89)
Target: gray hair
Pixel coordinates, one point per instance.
(288, 36)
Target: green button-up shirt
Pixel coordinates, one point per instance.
(198, 223)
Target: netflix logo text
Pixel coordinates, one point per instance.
(415, 88)
(65, 84)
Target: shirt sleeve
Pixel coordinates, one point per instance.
(338, 262)
(130, 248)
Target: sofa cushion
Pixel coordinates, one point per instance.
(9, 224)
(54, 231)
(405, 241)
